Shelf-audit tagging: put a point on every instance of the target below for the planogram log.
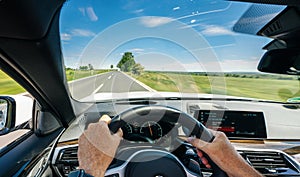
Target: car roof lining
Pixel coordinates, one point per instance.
(31, 18)
(275, 2)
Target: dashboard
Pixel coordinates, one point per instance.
(253, 131)
(235, 124)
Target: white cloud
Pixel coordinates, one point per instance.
(189, 26)
(65, 36)
(91, 14)
(138, 11)
(82, 11)
(176, 8)
(76, 32)
(137, 50)
(213, 30)
(154, 21)
(82, 33)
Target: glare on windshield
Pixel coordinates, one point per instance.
(152, 47)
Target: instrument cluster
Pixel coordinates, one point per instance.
(146, 131)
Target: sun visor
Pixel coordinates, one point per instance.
(256, 17)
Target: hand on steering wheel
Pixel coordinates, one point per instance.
(221, 151)
(97, 147)
(174, 116)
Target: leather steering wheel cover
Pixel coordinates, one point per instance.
(171, 115)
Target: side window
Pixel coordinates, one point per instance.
(15, 110)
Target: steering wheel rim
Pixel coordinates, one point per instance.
(172, 115)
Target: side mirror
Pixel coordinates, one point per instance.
(281, 61)
(7, 114)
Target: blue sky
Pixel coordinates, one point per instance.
(178, 35)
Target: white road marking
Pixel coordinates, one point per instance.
(98, 88)
(109, 77)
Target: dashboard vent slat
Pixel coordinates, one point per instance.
(68, 156)
(268, 162)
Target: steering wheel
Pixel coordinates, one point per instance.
(153, 162)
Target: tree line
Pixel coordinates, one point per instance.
(126, 64)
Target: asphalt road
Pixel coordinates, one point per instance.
(111, 82)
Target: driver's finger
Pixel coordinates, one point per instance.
(202, 145)
(119, 132)
(105, 118)
(199, 153)
(204, 161)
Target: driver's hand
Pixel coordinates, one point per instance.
(97, 147)
(224, 155)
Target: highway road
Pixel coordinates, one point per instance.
(111, 82)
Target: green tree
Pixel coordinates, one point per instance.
(111, 66)
(127, 62)
(83, 67)
(90, 67)
(137, 69)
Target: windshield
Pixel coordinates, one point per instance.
(120, 49)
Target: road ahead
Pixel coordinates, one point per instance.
(111, 82)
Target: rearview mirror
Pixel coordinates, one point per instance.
(281, 61)
(7, 114)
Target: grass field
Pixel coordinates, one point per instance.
(77, 74)
(9, 86)
(254, 86)
(263, 88)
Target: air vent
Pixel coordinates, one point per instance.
(67, 161)
(267, 162)
(68, 156)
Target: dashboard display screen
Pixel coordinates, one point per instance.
(235, 124)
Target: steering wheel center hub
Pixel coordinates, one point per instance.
(153, 163)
